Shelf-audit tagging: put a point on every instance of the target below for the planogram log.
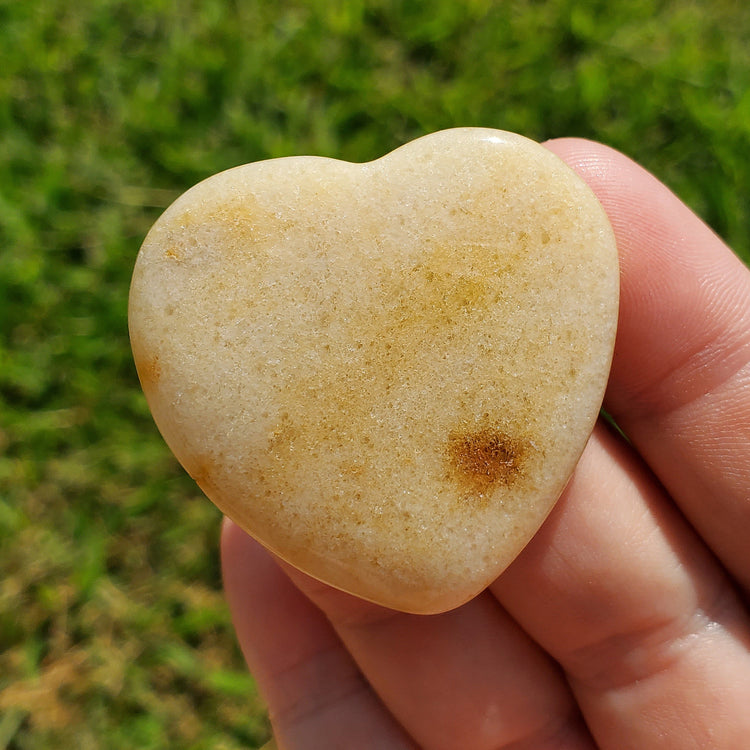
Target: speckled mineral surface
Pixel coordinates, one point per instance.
(385, 372)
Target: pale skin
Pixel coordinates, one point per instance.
(625, 622)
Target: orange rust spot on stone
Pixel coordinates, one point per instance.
(149, 370)
(480, 460)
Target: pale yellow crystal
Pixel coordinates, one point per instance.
(385, 372)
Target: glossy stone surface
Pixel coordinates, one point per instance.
(385, 372)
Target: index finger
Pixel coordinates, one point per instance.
(680, 381)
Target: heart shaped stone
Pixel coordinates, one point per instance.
(385, 372)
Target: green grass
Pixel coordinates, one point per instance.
(113, 629)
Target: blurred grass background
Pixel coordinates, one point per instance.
(113, 629)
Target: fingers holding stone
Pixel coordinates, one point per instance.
(466, 678)
(622, 593)
(317, 697)
(680, 380)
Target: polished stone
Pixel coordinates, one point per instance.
(385, 372)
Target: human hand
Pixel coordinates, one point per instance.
(625, 623)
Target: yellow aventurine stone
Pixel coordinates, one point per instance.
(385, 372)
